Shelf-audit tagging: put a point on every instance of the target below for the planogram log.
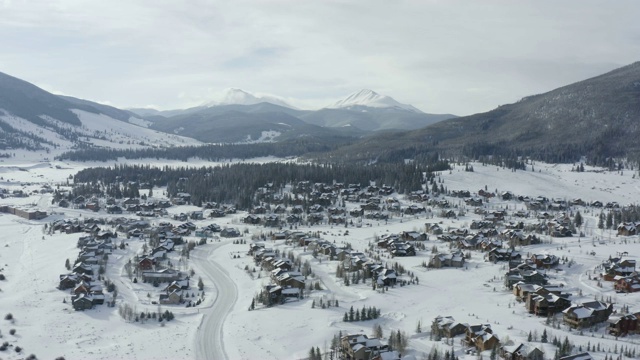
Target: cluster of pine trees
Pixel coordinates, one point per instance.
(315, 354)
(367, 313)
(398, 341)
(128, 313)
(437, 354)
(325, 304)
(615, 217)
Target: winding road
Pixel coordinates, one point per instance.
(209, 342)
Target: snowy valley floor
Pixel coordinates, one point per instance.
(31, 260)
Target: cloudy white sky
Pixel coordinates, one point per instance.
(444, 56)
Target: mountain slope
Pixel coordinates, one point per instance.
(597, 117)
(370, 98)
(29, 102)
(372, 119)
(234, 96)
(32, 118)
(229, 125)
(368, 110)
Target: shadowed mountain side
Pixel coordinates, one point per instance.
(597, 118)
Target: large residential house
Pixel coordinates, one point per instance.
(526, 275)
(521, 352)
(546, 302)
(623, 324)
(628, 229)
(455, 259)
(627, 284)
(587, 314)
(362, 347)
(618, 267)
(446, 326)
(481, 337)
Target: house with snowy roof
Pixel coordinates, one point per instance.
(581, 356)
(618, 267)
(628, 229)
(362, 347)
(623, 324)
(447, 326)
(521, 352)
(627, 284)
(587, 314)
(455, 259)
(481, 337)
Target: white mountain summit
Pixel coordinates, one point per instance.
(370, 98)
(234, 96)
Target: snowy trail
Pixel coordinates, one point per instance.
(209, 341)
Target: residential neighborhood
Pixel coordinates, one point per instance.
(302, 247)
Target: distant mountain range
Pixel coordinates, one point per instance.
(239, 116)
(598, 118)
(35, 119)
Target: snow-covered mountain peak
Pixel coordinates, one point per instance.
(370, 98)
(234, 96)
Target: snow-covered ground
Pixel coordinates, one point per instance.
(31, 260)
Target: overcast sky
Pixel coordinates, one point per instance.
(445, 56)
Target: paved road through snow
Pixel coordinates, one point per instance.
(209, 343)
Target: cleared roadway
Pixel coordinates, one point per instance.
(209, 337)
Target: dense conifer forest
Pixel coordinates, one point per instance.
(212, 152)
(237, 183)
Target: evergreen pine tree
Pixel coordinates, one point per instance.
(378, 331)
(577, 220)
(601, 221)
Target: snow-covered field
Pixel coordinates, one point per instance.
(31, 260)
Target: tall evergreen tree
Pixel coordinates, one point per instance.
(577, 220)
(601, 221)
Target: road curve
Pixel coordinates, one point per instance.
(209, 343)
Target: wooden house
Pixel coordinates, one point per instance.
(82, 302)
(622, 325)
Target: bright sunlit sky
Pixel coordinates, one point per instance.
(446, 56)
